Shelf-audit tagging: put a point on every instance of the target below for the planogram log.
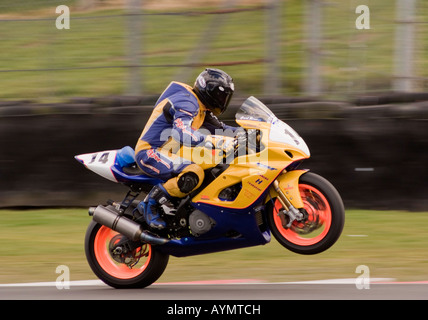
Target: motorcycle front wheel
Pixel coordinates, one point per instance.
(324, 217)
(137, 266)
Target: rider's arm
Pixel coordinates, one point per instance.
(215, 126)
(182, 126)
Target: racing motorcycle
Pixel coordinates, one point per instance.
(244, 199)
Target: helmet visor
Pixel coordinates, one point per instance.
(220, 97)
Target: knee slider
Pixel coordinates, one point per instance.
(187, 182)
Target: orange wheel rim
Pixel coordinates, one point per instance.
(112, 267)
(317, 223)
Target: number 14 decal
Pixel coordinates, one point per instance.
(103, 158)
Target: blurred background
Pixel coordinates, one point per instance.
(298, 48)
(359, 97)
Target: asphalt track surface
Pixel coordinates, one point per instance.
(346, 290)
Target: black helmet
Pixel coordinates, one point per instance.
(214, 88)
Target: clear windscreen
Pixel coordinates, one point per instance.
(254, 109)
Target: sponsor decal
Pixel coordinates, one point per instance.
(265, 166)
(262, 176)
(248, 194)
(150, 167)
(186, 112)
(254, 186)
(289, 187)
(153, 154)
(180, 125)
(202, 82)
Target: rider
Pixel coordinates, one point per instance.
(178, 114)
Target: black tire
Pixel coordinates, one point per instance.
(154, 264)
(325, 217)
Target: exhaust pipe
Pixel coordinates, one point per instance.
(123, 225)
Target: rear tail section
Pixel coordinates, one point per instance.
(100, 163)
(117, 166)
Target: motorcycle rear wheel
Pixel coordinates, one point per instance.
(324, 217)
(149, 263)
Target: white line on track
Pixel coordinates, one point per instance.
(209, 282)
(53, 284)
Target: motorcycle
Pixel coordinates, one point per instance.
(245, 197)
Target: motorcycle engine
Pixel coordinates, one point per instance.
(200, 223)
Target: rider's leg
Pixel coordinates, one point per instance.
(149, 206)
(183, 177)
(190, 178)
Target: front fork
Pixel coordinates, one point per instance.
(286, 190)
(289, 210)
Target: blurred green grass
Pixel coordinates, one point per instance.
(393, 244)
(351, 59)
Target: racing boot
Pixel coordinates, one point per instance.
(150, 207)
